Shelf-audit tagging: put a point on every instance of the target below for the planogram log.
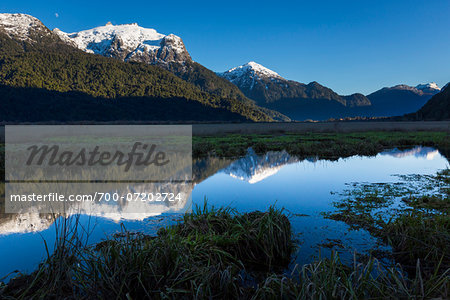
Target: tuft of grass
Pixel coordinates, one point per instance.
(259, 239)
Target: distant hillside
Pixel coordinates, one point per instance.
(437, 108)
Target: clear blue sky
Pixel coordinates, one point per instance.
(349, 46)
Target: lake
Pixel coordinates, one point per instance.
(304, 188)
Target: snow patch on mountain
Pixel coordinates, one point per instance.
(128, 42)
(428, 87)
(250, 74)
(20, 26)
(420, 152)
(421, 89)
(250, 69)
(97, 39)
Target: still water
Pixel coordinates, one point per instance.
(304, 188)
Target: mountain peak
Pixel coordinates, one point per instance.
(428, 87)
(402, 87)
(251, 69)
(131, 36)
(21, 26)
(421, 89)
(129, 42)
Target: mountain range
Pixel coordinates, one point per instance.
(104, 73)
(132, 43)
(401, 99)
(302, 101)
(44, 77)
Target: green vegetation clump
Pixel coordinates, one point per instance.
(411, 216)
(211, 254)
(258, 239)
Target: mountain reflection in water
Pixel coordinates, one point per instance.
(252, 168)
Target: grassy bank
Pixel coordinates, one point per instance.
(214, 254)
(322, 145)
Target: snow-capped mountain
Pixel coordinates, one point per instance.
(421, 89)
(21, 32)
(429, 88)
(26, 222)
(249, 74)
(297, 100)
(401, 99)
(22, 27)
(129, 42)
(252, 76)
(437, 108)
(33, 217)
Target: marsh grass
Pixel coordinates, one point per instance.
(329, 278)
(55, 275)
(420, 236)
(213, 253)
(411, 216)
